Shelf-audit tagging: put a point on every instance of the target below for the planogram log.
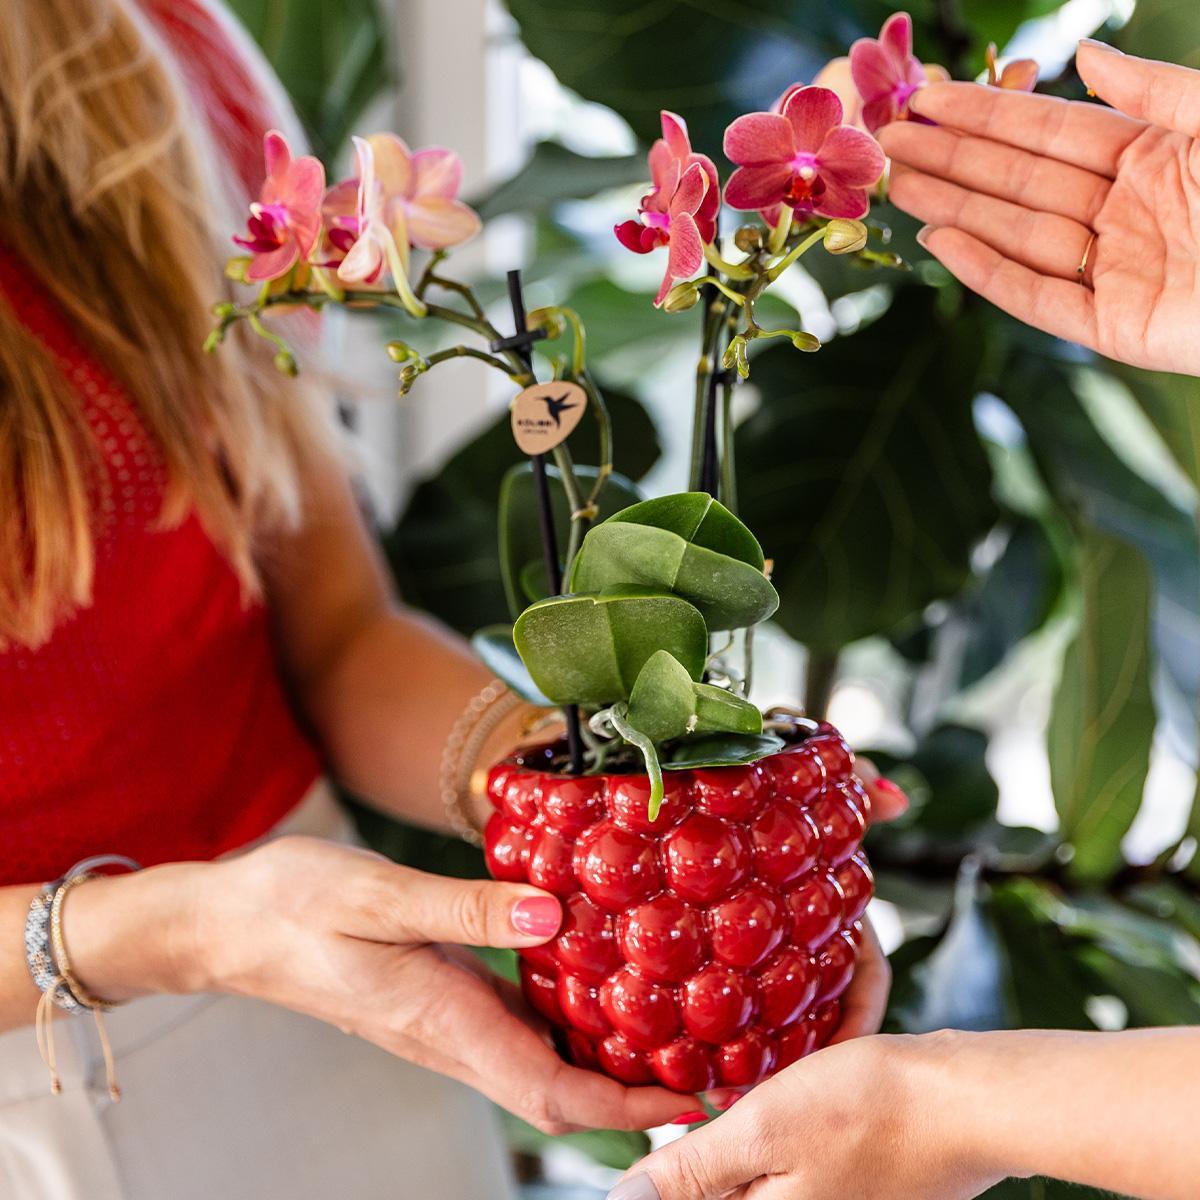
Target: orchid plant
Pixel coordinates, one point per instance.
(631, 641)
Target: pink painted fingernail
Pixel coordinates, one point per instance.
(690, 1118)
(923, 235)
(1095, 45)
(537, 916)
(636, 1187)
(892, 789)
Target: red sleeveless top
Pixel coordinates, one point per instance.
(153, 723)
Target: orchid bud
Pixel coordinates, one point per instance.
(213, 340)
(222, 309)
(682, 297)
(400, 352)
(748, 238)
(285, 363)
(844, 236)
(806, 342)
(549, 320)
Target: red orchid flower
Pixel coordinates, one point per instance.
(886, 73)
(285, 220)
(802, 156)
(681, 208)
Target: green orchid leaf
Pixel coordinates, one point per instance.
(730, 594)
(495, 647)
(687, 544)
(522, 568)
(666, 703)
(590, 649)
(698, 518)
(719, 711)
(722, 750)
(663, 700)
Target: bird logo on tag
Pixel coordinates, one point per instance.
(546, 414)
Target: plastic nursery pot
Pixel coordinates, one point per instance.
(709, 948)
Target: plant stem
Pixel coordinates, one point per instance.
(728, 468)
(819, 677)
(491, 360)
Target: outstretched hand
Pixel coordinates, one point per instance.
(1012, 187)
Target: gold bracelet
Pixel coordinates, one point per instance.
(476, 724)
(82, 996)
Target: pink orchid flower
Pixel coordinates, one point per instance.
(802, 156)
(680, 210)
(285, 220)
(1020, 75)
(886, 73)
(374, 247)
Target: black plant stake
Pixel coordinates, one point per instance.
(521, 344)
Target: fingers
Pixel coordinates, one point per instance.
(1062, 309)
(1160, 93)
(402, 905)
(888, 800)
(708, 1163)
(865, 1000)
(1086, 135)
(1031, 180)
(1045, 242)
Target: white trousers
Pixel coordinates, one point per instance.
(231, 1099)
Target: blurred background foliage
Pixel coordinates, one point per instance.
(938, 482)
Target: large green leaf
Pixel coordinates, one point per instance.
(553, 174)
(862, 473)
(443, 549)
(1014, 599)
(1103, 719)
(1172, 402)
(330, 58)
(497, 651)
(590, 649)
(688, 544)
(1163, 29)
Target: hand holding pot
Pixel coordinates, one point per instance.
(1020, 191)
(348, 937)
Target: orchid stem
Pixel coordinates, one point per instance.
(733, 270)
(796, 251)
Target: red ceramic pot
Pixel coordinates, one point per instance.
(710, 947)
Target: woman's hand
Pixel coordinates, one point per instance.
(1012, 187)
(346, 936)
(854, 1120)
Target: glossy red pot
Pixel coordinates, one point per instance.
(710, 947)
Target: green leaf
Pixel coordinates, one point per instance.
(666, 703)
(662, 701)
(698, 518)
(634, 548)
(330, 58)
(590, 649)
(553, 174)
(1103, 719)
(862, 473)
(443, 548)
(960, 983)
(1014, 599)
(617, 1149)
(721, 750)
(495, 647)
(520, 533)
(1162, 29)
(1172, 402)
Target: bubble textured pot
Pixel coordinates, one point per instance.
(709, 948)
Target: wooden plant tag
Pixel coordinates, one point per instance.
(545, 415)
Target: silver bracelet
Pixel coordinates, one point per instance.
(38, 955)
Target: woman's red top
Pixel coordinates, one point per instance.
(153, 723)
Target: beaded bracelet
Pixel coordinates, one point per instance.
(50, 967)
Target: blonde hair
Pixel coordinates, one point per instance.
(113, 195)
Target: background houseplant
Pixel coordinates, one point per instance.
(864, 469)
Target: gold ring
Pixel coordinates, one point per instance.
(1083, 262)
